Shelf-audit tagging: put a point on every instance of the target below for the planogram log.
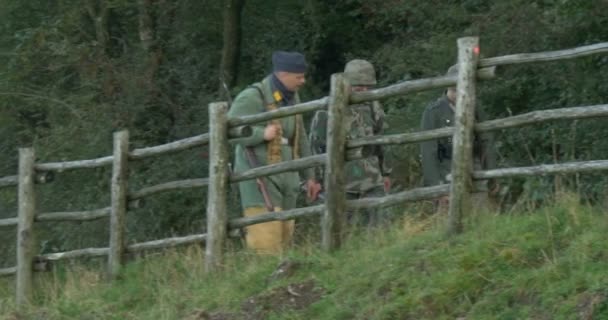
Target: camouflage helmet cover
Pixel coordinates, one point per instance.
(453, 70)
(360, 73)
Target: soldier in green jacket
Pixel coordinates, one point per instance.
(437, 154)
(275, 141)
(369, 177)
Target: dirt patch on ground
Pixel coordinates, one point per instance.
(295, 296)
(590, 304)
(204, 315)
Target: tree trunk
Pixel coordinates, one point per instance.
(99, 12)
(148, 39)
(232, 43)
(146, 27)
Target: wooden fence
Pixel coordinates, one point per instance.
(339, 150)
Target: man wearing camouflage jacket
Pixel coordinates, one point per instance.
(367, 177)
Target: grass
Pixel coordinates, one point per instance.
(546, 264)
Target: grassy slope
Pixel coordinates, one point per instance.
(550, 264)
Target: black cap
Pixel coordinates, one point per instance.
(293, 62)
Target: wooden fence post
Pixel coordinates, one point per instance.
(25, 231)
(217, 216)
(464, 120)
(118, 213)
(334, 218)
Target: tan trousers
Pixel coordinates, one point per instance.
(270, 237)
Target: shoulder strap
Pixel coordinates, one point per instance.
(259, 90)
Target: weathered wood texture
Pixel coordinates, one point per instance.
(118, 206)
(401, 197)
(402, 138)
(80, 253)
(6, 272)
(132, 248)
(64, 216)
(295, 165)
(185, 144)
(415, 86)
(394, 199)
(79, 164)
(137, 154)
(462, 141)
(537, 117)
(25, 230)
(546, 56)
(75, 215)
(333, 223)
(305, 107)
(170, 147)
(277, 216)
(570, 167)
(8, 181)
(167, 243)
(9, 222)
(169, 186)
(534, 117)
(217, 209)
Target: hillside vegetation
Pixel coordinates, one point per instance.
(71, 75)
(545, 264)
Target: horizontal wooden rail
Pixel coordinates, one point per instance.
(8, 222)
(401, 197)
(545, 56)
(188, 143)
(305, 107)
(394, 199)
(78, 164)
(6, 272)
(133, 248)
(570, 167)
(541, 116)
(74, 216)
(169, 186)
(88, 252)
(174, 146)
(69, 216)
(415, 86)
(401, 138)
(8, 181)
(295, 165)
(167, 243)
(135, 154)
(529, 118)
(277, 216)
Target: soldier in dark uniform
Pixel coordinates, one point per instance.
(437, 154)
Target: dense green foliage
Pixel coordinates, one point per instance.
(67, 83)
(546, 264)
